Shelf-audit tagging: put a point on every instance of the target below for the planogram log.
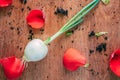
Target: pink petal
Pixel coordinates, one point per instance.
(35, 19)
(115, 62)
(5, 3)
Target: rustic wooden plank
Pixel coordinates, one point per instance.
(102, 18)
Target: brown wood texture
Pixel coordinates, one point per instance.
(14, 33)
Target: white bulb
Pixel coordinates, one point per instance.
(35, 50)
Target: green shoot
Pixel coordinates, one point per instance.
(75, 20)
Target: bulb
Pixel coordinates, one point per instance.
(35, 50)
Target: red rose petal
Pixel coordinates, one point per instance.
(115, 62)
(36, 19)
(72, 59)
(5, 3)
(13, 67)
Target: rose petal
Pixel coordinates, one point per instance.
(13, 67)
(115, 62)
(72, 59)
(36, 19)
(5, 3)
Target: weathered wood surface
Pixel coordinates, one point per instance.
(102, 18)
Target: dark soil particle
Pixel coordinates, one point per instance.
(106, 54)
(70, 8)
(11, 28)
(41, 33)
(22, 9)
(9, 14)
(18, 31)
(108, 68)
(92, 33)
(72, 41)
(13, 20)
(49, 44)
(80, 4)
(30, 31)
(117, 22)
(28, 8)
(23, 1)
(9, 23)
(91, 51)
(17, 28)
(114, 12)
(17, 47)
(30, 37)
(91, 70)
(97, 73)
(72, 31)
(61, 46)
(94, 72)
(42, 30)
(47, 77)
(106, 38)
(20, 48)
(101, 47)
(61, 11)
(82, 28)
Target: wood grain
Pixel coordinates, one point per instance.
(102, 18)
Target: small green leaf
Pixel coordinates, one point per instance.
(86, 65)
(69, 33)
(105, 1)
(100, 34)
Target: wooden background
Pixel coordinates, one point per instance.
(14, 33)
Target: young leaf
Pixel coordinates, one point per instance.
(100, 34)
(86, 65)
(105, 1)
(69, 33)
